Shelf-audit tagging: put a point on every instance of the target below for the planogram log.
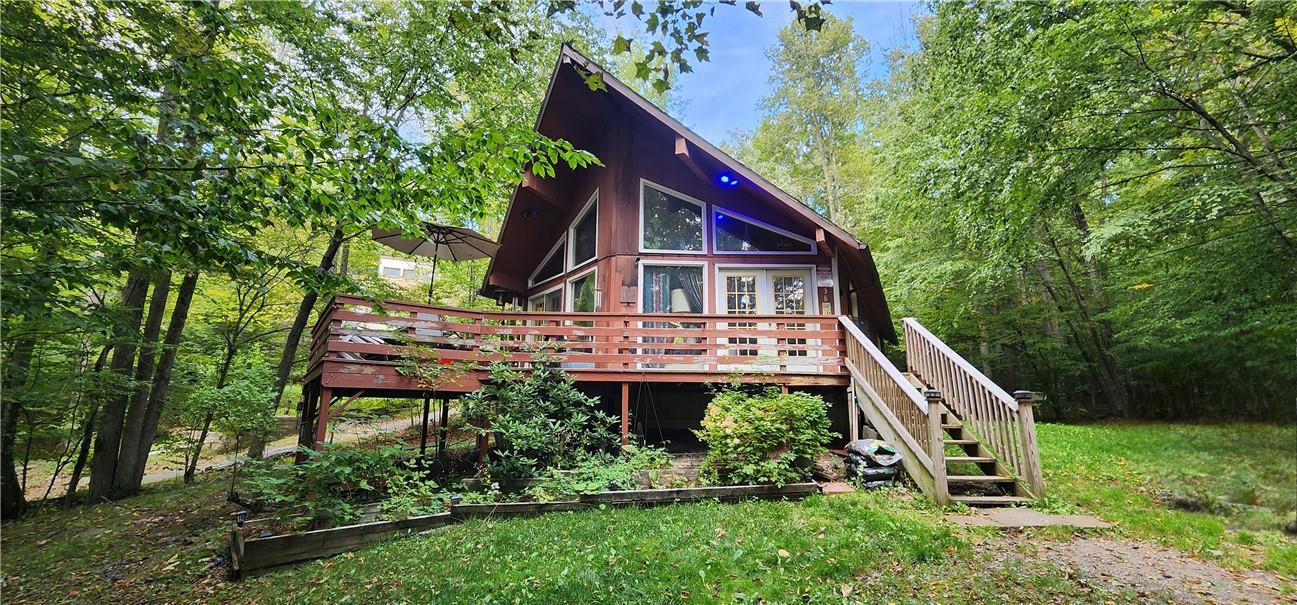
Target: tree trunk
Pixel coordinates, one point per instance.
(133, 429)
(104, 466)
(289, 357)
(222, 378)
(87, 433)
(191, 469)
(12, 501)
(162, 377)
(1114, 387)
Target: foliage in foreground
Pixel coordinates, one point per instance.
(1219, 492)
(882, 546)
(539, 419)
(764, 437)
(331, 486)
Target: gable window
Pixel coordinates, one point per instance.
(552, 266)
(670, 221)
(585, 233)
(738, 233)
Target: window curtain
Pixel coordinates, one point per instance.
(660, 281)
(691, 279)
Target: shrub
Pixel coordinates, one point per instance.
(767, 437)
(539, 418)
(331, 485)
(598, 472)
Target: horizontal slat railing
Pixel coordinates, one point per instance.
(355, 329)
(904, 407)
(1004, 427)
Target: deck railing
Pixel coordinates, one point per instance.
(896, 408)
(1004, 425)
(355, 329)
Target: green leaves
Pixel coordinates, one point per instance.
(761, 438)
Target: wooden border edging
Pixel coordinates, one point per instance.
(726, 492)
(251, 556)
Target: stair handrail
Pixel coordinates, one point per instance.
(1006, 426)
(901, 403)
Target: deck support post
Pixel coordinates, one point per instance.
(853, 413)
(937, 447)
(443, 430)
(1027, 426)
(322, 418)
(423, 428)
(625, 414)
(305, 424)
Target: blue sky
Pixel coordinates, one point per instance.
(722, 95)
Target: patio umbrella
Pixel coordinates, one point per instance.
(438, 242)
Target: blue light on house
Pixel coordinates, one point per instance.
(729, 180)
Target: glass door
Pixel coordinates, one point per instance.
(762, 291)
(789, 290)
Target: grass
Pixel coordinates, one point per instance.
(1148, 477)
(883, 546)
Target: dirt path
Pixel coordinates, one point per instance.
(343, 433)
(1150, 569)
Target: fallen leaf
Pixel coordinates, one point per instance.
(782, 553)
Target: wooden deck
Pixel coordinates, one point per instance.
(363, 345)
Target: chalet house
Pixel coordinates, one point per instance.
(671, 267)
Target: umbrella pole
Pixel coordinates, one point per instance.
(433, 279)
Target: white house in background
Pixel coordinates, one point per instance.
(401, 271)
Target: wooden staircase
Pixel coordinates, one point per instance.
(973, 475)
(964, 439)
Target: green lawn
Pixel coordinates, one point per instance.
(1241, 477)
(872, 547)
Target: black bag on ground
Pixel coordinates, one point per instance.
(873, 452)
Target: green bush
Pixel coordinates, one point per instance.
(599, 472)
(539, 419)
(767, 437)
(331, 486)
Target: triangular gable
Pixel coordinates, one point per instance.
(855, 254)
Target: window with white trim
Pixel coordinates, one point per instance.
(550, 301)
(670, 222)
(583, 293)
(584, 234)
(738, 233)
(552, 266)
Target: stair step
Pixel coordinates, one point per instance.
(959, 441)
(952, 426)
(978, 479)
(974, 459)
(990, 500)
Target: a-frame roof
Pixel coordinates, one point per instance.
(725, 159)
(856, 254)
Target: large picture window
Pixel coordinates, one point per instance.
(669, 221)
(585, 233)
(738, 233)
(672, 289)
